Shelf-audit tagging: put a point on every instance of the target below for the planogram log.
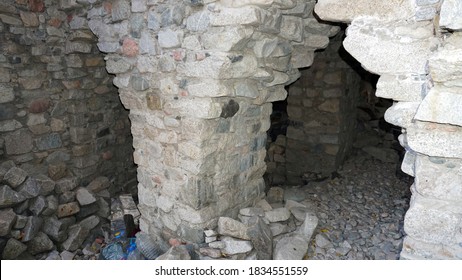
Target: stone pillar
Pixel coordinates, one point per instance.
(198, 78)
(419, 68)
(322, 112)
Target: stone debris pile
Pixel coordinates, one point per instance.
(361, 213)
(280, 230)
(39, 214)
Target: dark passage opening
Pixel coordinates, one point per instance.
(330, 148)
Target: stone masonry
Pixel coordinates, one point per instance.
(322, 114)
(59, 112)
(415, 47)
(65, 143)
(198, 78)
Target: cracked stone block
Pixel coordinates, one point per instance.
(33, 226)
(261, 237)
(77, 235)
(38, 205)
(46, 184)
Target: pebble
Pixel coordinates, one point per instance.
(361, 213)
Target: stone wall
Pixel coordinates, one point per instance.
(322, 114)
(198, 78)
(60, 114)
(62, 125)
(415, 47)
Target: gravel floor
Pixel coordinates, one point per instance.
(360, 213)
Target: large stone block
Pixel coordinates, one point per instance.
(226, 38)
(435, 139)
(418, 250)
(7, 93)
(292, 28)
(438, 177)
(236, 16)
(402, 113)
(446, 63)
(231, 227)
(194, 107)
(433, 221)
(402, 87)
(48, 142)
(290, 247)
(208, 88)
(120, 10)
(441, 105)
(198, 21)
(18, 142)
(210, 67)
(451, 15)
(390, 48)
(169, 38)
(346, 10)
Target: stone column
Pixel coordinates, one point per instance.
(401, 41)
(198, 78)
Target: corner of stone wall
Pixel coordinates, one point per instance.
(414, 46)
(65, 143)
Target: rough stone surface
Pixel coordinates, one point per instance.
(450, 15)
(261, 237)
(32, 227)
(13, 249)
(234, 246)
(68, 209)
(176, 253)
(84, 197)
(231, 227)
(7, 220)
(77, 235)
(29, 188)
(277, 215)
(290, 247)
(9, 197)
(390, 55)
(15, 176)
(346, 11)
(39, 244)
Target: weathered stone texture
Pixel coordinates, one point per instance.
(347, 11)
